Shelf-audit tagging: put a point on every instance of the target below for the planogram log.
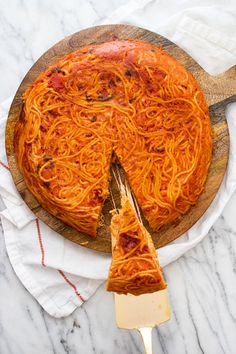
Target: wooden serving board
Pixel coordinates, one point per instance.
(219, 91)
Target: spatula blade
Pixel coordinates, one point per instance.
(148, 310)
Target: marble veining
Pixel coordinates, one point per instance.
(202, 283)
(201, 291)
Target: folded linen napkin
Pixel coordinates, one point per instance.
(62, 275)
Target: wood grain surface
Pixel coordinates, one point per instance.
(219, 91)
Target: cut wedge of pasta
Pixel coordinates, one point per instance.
(134, 267)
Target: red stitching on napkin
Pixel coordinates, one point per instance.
(40, 242)
(71, 284)
(4, 165)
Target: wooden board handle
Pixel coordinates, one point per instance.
(223, 104)
(217, 113)
(217, 88)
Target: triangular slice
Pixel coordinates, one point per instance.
(134, 268)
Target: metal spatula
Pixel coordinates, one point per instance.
(141, 312)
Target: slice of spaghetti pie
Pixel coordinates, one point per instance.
(134, 268)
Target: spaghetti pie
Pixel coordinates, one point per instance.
(129, 98)
(134, 268)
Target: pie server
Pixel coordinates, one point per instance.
(142, 312)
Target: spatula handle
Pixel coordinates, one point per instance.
(146, 334)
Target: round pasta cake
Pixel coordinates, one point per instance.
(124, 101)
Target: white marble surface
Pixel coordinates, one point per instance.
(202, 284)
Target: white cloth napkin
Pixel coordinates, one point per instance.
(62, 275)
